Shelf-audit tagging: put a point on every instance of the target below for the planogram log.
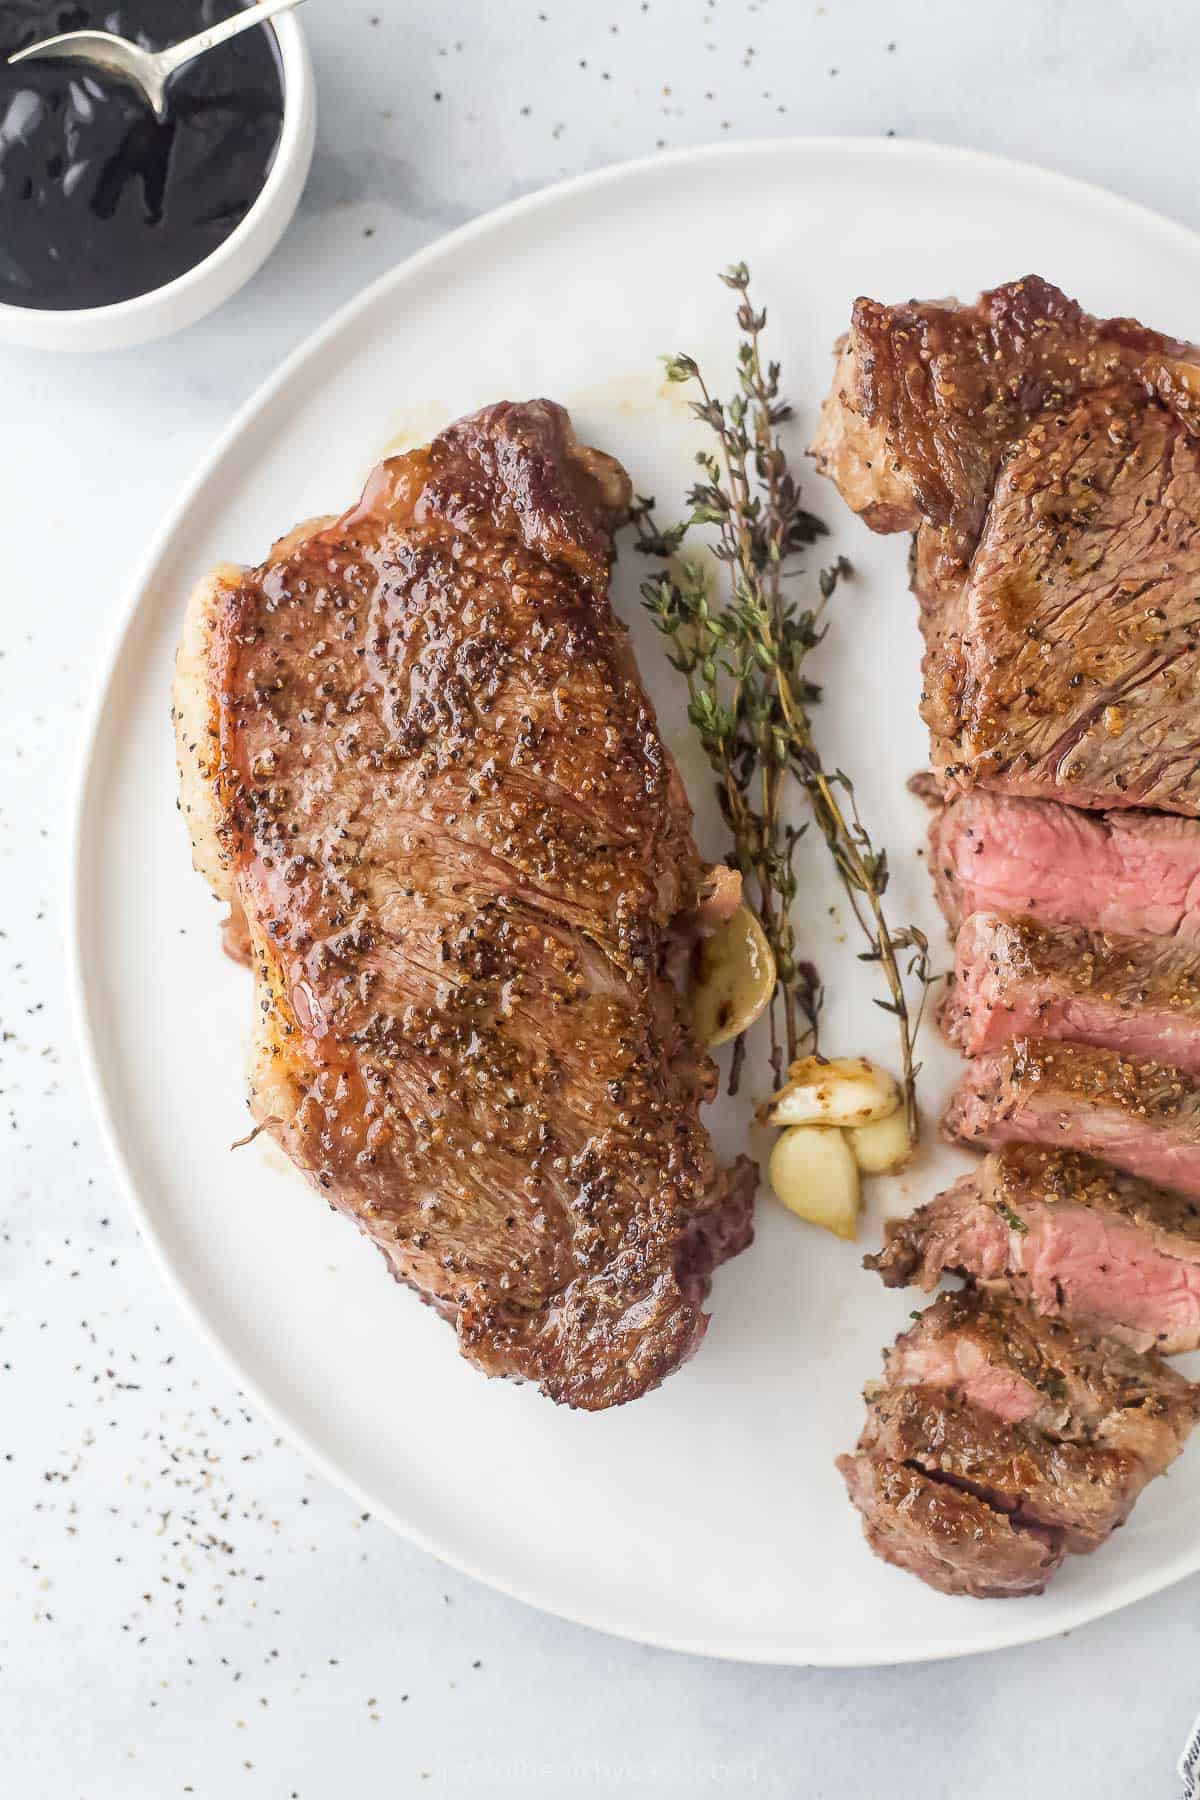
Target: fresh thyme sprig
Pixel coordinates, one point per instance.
(742, 655)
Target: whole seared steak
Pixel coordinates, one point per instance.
(417, 759)
(1049, 465)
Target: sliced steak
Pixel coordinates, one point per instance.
(999, 1440)
(1140, 1115)
(950, 1539)
(1065, 1380)
(928, 395)
(1117, 871)
(1080, 1493)
(1021, 978)
(1066, 1234)
(1049, 464)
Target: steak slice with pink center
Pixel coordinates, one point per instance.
(1020, 977)
(1066, 1380)
(1069, 1236)
(1138, 1114)
(1080, 1493)
(1116, 871)
(998, 1440)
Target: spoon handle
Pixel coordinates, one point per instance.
(166, 62)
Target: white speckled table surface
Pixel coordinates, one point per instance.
(185, 1608)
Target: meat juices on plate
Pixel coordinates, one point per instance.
(417, 759)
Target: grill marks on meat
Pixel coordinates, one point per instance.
(1129, 871)
(998, 1441)
(1019, 977)
(1048, 462)
(1137, 1114)
(416, 755)
(1068, 1236)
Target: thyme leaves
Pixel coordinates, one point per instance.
(741, 644)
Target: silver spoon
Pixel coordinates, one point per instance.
(149, 70)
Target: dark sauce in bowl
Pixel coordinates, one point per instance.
(98, 201)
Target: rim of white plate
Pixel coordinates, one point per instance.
(1083, 1611)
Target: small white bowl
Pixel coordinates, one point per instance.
(190, 296)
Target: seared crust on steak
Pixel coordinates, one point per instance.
(928, 395)
(1066, 1380)
(1049, 463)
(417, 759)
(949, 1538)
(1137, 1113)
(1080, 1493)
(998, 1440)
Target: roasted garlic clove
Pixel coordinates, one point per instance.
(735, 979)
(840, 1090)
(813, 1172)
(883, 1145)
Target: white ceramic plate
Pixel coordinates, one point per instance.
(707, 1516)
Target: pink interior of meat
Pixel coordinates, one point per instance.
(984, 1111)
(1084, 1021)
(1010, 855)
(1101, 1268)
(959, 1363)
(985, 1009)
